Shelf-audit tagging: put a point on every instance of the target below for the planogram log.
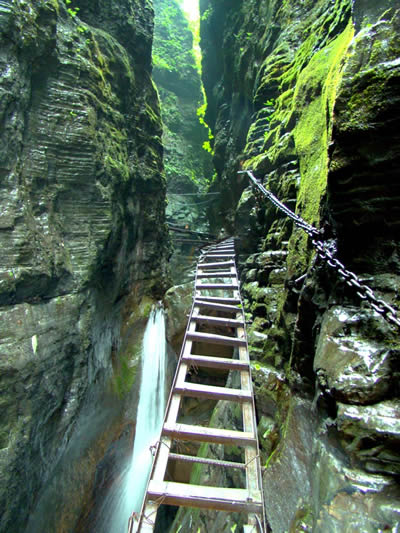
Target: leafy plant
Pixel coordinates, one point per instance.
(201, 112)
(72, 11)
(207, 147)
(206, 15)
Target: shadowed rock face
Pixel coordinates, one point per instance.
(364, 189)
(81, 218)
(306, 95)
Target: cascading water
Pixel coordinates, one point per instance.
(127, 495)
(151, 405)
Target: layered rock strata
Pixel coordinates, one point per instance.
(82, 227)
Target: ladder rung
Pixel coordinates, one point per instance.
(206, 461)
(211, 338)
(223, 363)
(225, 286)
(222, 250)
(222, 245)
(216, 321)
(217, 306)
(215, 256)
(221, 253)
(220, 299)
(217, 274)
(204, 434)
(203, 266)
(197, 390)
(205, 497)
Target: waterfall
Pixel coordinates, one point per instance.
(127, 495)
(151, 405)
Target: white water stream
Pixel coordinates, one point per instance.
(151, 405)
(127, 495)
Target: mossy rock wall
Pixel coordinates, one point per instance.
(305, 94)
(82, 228)
(188, 166)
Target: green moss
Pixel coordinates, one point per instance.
(54, 4)
(315, 96)
(270, 457)
(145, 306)
(198, 467)
(125, 377)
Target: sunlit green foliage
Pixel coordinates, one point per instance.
(73, 11)
(177, 76)
(201, 112)
(172, 49)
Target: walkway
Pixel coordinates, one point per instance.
(216, 308)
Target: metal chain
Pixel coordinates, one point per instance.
(326, 251)
(313, 232)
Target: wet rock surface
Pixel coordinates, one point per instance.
(349, 365)
(82, 207)
(178, 303)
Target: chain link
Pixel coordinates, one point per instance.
(313, 232)
(326, 250)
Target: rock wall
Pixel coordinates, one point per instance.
(179, 84)
(188, 167)
(82, 227)
(306, 95)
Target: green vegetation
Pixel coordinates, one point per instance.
(193, 18)
(201, 112)
(297, 122)
(125, 376)
(313, 131)
(176, 74)
(73, 11)
(173, 42)
(206, 15)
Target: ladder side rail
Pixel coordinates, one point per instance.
(252, 456)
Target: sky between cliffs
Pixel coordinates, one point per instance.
(191, 8)
(192, 12)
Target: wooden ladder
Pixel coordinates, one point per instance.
(216, 263)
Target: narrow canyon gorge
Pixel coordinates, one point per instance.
(129, 131)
